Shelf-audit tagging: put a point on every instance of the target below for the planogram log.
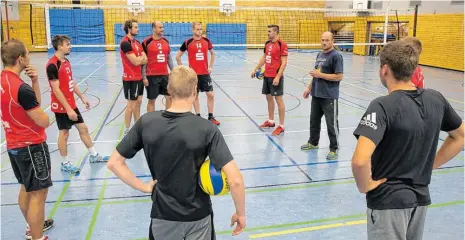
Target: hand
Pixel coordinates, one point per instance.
(72, 115)
(32, 73)
(307, 92)
(315, 73)
(210, 70)
(146, 82)
(252, 75)
(149, 187)
(240, 220)
(276, 81)
(86, 103)
(374, 184)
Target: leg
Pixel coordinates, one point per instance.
(36, 213)
(388, 224)
(23, 200)
(277, 92)
(152, 92)
(66, 165)
(140, 93)
(164, 90)
(86, 139)
(417, 223)
(201, 229)
(130, 108)
(270, 103)
(197, 105)
(131, 91)
(330, 109)
(316, 113)
(210, 102)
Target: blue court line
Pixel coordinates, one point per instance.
(268, 136)
(100, 129)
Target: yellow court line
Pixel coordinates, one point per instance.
(308, 229)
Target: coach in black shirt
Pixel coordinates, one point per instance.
(176, 143)
(398, 137)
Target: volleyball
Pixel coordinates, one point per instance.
(212, 181)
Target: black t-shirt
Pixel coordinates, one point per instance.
(175, 146)
(405, 127)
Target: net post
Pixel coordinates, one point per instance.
(386, 23)
(47, 26)
(7, 21)
(415, 21)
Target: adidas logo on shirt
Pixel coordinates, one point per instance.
(369, 121)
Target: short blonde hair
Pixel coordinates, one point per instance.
(182, 82)
(415, 42)
(195, 24)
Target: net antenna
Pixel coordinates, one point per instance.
(227, 7)
(135, 7)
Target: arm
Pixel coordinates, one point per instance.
(452, 124)
(170, 62)
(127, 149)
(179, 54)
(212, 60)
(282, 67)
(127, 49)
(28, 100)
(451, 147)
(32, 73)
(236, 185)
(368, 138)
(78, 92)
(332, 77)
(338, 69)
(261, 62)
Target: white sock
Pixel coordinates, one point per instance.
(282, 126)
(92, 151)
(270, 121)
(64, 159)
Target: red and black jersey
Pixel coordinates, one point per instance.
(157, 51)
(274, 51)
(17, 98)
(130, 71)
(198, 54)
(61, 71)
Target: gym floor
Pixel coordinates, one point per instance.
(291, 194)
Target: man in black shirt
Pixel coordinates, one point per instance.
(176, 143)
(398, 137)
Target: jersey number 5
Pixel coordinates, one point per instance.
(268, 59)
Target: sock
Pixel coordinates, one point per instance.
(92, 151)
(210, 116)
(64, 159)
(282, 126)
(270, 121)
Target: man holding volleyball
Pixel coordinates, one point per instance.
(175, 152)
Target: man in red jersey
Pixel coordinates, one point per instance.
(197, 48)
(155, 72)
(275, 59)
(133, 57)
(63, 104)
(24, 123)
(418, 79)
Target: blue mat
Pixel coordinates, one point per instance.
(234, 33)
(84, 26)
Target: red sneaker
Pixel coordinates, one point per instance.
(278, 131)
(214, 121)
(267, 124)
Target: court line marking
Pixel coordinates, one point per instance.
(271, 139)
(101, 195)
(65, 188)
(336, 225)
(264, 189)
(84, 79)
(316, 221)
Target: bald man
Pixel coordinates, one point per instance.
(155, 72)
(324, 88)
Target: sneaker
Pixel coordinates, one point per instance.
(214, 121)
(332, 155)
(267, 124)
(68, 167)
(308, 146)
(98, 158)
(278, 131)
(47, 225)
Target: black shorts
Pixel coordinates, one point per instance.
(205, 83)
(31, 166)
(157, 85)
(63, 121)
(133, 89)
(269, 88)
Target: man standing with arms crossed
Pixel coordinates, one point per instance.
(175, 152)
(24, 123)
(133, 57)
(197, 48)
(67, 114)
(396, 148)
(324, 88)
(155, 72)
(275, 60)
